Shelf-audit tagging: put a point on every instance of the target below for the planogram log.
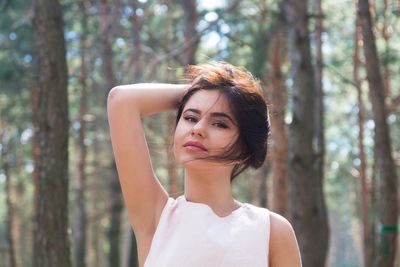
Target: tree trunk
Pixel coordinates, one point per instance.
(260, 43)
(96, 202)
(386, 36)
(51, 244)
(107, 55)
(137, 43)
(9, 205)
(114, 230)
(319, 131)
(116, 203)
(386, 169)
(306, 206)
(278, 98)
(10, 217)
(190, 19)
(79, 235)
(262, 177)
(364, 192)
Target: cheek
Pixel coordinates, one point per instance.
(178, 131)
(230, 140)
(178, 136)
(181, 129)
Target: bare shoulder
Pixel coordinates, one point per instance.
(280, 226)
(283, 247)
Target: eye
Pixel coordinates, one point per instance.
(221, 125)
(190, 118)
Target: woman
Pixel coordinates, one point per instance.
(221, 129)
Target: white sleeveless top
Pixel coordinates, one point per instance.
(191, 235)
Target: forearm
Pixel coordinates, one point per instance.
(147, 98)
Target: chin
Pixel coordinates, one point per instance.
(191, 162)
(202, 164)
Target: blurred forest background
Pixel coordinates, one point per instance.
(330, 73)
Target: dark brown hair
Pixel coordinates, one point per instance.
(248, 106)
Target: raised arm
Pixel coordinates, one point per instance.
(144, 195)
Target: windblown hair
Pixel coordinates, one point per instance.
(245, 97)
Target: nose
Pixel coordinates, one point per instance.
(199, 129)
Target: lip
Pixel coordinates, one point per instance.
(195, 144)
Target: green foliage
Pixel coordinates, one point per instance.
(15, 47)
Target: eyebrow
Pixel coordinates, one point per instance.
(213, 114)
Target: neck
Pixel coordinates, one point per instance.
(211, 187)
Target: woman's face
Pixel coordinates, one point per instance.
(206, 128)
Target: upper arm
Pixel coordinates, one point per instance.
(144, 195)
(283, 248)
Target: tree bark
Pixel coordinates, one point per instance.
(9, 205)
(96, 202)
(386, 36)
(260, 43)
(114, 229)
(262, 192)
(364, 192)
(319, 130)
(116, 202)
(10, 217)
(51, 245)
(137, 42)
(386, 169)
(278, 98)
(107, 55)
(79, 235)
(306, 205)
(190, 19)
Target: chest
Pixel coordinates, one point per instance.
(198, 240)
